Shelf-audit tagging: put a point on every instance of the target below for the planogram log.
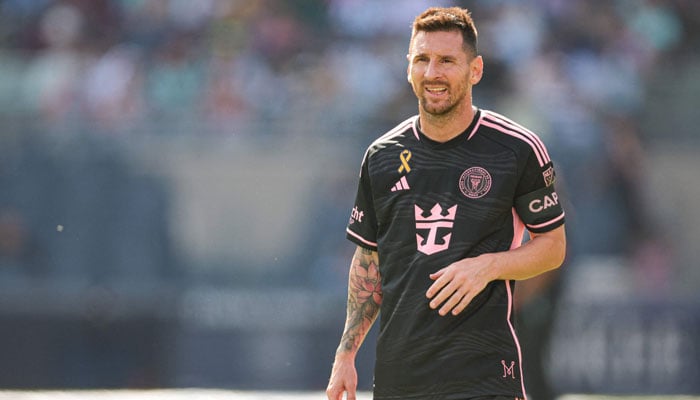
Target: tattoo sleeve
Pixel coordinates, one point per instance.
(364, 299)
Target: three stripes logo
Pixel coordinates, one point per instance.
(402, 184)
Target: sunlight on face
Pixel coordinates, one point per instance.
(441, 72)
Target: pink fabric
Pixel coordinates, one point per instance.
(515, 337)
(518, 230)
(548, 222)
(518, 233)
(512, 129)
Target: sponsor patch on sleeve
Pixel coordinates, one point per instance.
(549, 176)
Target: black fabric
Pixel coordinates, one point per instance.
(424, 205)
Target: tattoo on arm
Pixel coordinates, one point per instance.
(364, 298)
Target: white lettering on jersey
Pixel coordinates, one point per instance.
(356, 215)
(539, 205)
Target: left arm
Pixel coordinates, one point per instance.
(457, 284)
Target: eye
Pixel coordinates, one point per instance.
(420, 59)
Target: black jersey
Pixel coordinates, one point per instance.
(424, 205)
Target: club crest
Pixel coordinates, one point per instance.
(475, 182)
(548, 176)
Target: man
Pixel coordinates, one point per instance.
(443, 201)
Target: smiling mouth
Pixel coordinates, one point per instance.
(436, 90)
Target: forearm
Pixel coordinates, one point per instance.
(364, 299)
(542, 253)
(456, 285)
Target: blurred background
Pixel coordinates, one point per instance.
(176, 176)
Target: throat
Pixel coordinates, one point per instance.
(443, 128)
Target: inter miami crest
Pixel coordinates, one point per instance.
(475, 182)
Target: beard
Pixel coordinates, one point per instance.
(444, 107)
(438, 109)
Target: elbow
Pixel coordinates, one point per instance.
(559, 250)
(559, 258)
(554, 245)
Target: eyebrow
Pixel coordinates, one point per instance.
(441, 56)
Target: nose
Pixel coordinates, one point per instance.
(432, 70)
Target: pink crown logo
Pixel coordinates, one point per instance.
(431, 244)
(436, 214)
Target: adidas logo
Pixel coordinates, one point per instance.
(402, 184)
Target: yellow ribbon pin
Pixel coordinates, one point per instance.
(405, 157)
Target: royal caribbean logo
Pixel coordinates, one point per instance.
(475, 182)
(433, 232)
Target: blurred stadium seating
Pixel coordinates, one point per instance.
(175, 178)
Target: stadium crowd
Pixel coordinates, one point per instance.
(116, 63)
(582, 73)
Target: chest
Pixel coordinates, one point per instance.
(466, 192)
(468, 175)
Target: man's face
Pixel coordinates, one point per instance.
(441, 72)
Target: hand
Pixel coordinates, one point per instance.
(343, 380)
(457, 284)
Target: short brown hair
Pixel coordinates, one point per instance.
(436, 19)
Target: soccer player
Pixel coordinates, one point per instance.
(442, 205)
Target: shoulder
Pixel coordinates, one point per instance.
(395, 136)
(513, 134)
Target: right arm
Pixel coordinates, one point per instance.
(364, 299)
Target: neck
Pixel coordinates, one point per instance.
(442, 128)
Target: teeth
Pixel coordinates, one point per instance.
(436, 90)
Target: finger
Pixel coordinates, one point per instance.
(454, 300)
(462, 304)
(437, 274)
(443, 295)
(334, 394)
(439, 283)
(351, 394)
(338, 395)
(350, 389)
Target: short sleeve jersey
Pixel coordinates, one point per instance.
(423, 205)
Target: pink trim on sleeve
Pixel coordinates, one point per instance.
(360, 238)
(550, 222)
(504, 125)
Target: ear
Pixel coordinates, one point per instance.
(408, 70)
(476, 67)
